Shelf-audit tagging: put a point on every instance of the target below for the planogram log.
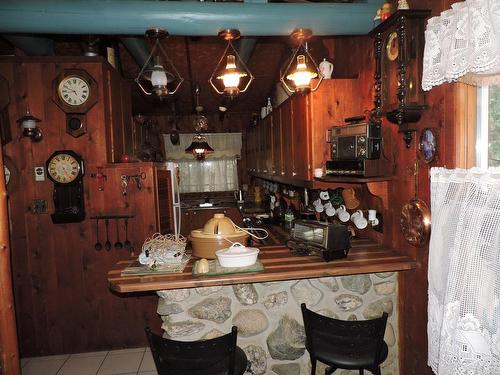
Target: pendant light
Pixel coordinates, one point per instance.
(301, 67)
(163, 79)
(199, 147)
(231, 71)
(28, 125)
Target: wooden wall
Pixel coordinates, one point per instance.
(63, 303)
(442, 116)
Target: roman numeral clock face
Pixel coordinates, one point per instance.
(63, 168)
(73, 90)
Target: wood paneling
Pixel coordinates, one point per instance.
(61, 294)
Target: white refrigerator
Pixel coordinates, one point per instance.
(176, 201)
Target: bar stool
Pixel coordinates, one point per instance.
(218, 356)
(352, 345)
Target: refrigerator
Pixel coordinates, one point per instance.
(175, 197)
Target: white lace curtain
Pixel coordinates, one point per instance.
(463, 43)
(464, 272)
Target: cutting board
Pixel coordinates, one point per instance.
(214, 268)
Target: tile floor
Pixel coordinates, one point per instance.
(117, 362)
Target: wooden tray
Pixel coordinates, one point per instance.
(214, 268)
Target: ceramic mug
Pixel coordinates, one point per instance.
(318, 172)
(350, 200)
(328, 205)
(319, 208)
(326, 69)
(342, 214)
(359, 220)
(330, 211)
(372, 218)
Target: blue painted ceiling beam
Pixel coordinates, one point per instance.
(183, 17)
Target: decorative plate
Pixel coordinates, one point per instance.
(392, 46)
(428, 145)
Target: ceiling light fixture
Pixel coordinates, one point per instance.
(301, 68)
(231, 71)
(28, 125)
(199, 147)
(163, 79)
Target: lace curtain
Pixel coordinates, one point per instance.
(218, 172)
(464, 272)
(225, 145)
(463, 43)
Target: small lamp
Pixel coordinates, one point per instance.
(301, 67)
(28, 125)
(226, 78)
(158, 78)
(199, 147)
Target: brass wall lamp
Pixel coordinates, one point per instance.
(301, 67)
(27, 122)
(231, 72)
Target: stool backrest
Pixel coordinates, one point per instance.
(193, 357)
(350, 332)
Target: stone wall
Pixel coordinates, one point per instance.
(269, 320)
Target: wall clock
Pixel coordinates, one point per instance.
(65, 169)
(75, 92)
(399, 46)
(428, 145)
(11, 174)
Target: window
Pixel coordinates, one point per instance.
(209, 175)
(488, 127)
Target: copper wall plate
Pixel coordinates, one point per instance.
(416, 222)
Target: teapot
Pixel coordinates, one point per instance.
(326, 69)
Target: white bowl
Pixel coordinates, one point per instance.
(237, 256)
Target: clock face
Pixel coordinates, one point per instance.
(428, 145)
(392, 46)
(73, 90)
(63, 168)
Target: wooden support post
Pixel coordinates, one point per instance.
(9, 352)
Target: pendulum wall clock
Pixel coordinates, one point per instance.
(75, 92)
(66, 170)
(399, 47)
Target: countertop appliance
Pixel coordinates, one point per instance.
(327, 240)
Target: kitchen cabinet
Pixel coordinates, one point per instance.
(291, 142)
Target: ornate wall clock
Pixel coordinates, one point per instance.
(399, 46)
(65, 169)
(75, 92)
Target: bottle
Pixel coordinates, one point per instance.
(289, 217)
(269, 107)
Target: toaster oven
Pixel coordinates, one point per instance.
(327, 240)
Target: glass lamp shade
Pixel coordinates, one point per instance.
(199, 147)
(157, 80)
(302, 75)
(28, 125)
(231, 77)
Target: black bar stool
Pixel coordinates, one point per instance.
(352, 345)
(218, 356)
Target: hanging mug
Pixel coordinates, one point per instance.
(326, 69)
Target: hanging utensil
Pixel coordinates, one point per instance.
(127, 245)
(98, 244)
(416, 217)
(174, 135)
(107, 244)
(118, 244)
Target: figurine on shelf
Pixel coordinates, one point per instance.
(386, 11)
(403, 5)
(377, 20)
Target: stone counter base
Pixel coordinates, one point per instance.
(269, 320)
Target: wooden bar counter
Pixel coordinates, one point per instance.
(364, 257)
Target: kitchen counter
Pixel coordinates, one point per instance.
(364, 257)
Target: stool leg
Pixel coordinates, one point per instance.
(361, 372)
(313, 366)
(330, 370)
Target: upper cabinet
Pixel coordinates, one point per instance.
(292, 140)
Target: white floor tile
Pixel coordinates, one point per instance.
(126, 351)
(147, 373)
(148, 363)
(121, 363)
(89, 354)
(49, 357)
(43, 366)
(24, 361)
(82, 365)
